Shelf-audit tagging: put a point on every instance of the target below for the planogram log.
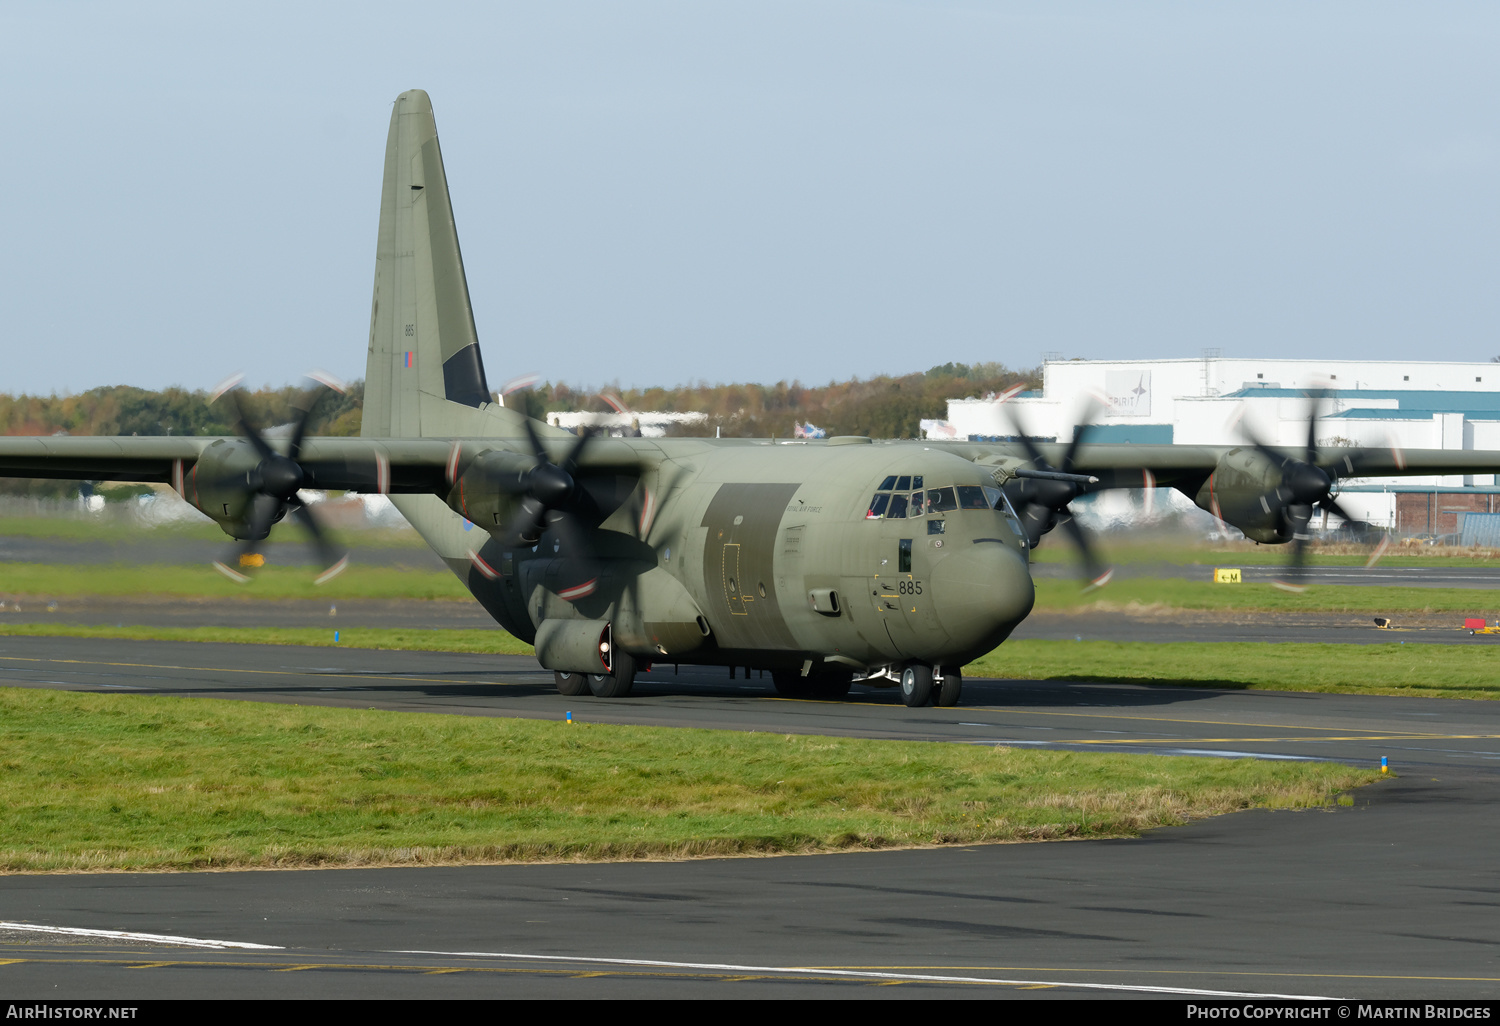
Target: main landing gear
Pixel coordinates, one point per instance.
(601, 685)
(920, 686)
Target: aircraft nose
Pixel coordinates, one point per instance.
(981, 595)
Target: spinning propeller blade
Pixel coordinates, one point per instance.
(1307, 485)
(552, 498)
(1042, 503)
(273, 486)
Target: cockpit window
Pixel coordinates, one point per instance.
(1010, 510)
(972, 497)
(940, 500)
(899, 506)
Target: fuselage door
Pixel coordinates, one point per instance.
(733, 589)
(743, 522)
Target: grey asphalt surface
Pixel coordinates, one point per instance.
(1393, 897)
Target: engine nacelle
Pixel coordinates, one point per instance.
(1236, 492)
(222, 485)
(487, 492)
(576, 646)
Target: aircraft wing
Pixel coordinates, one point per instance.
(1269, 492)
(1124, 465)
(335, 464)
(98, 459)
(1346, 461)
(344, 464)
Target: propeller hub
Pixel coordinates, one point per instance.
(1306, 483)
(550, 485)
(280, 477)
(1055, 495)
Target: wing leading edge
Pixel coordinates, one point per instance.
(338, 464)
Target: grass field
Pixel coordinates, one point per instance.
(117, 529)
(95, 782)
(48, 581)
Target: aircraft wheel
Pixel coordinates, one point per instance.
(618, 684)
(916, 685)
(948, 688)
(571, 684)
(791, 684)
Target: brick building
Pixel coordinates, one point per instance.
(1440, 513)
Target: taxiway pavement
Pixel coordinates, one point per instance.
(1393, 897)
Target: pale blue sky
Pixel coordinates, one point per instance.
(671, 191)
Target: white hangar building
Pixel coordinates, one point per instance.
(1216, 400)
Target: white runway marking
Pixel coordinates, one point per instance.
(196, 942)
(1225, 753)
(866, 975)
(1222, 753)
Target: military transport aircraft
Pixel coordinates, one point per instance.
(893, 562)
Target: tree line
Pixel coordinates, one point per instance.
(887, 406)
(126, 410)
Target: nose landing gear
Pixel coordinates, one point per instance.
(948, 687)
(921, 686)
(916, 685)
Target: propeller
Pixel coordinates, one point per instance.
(273, 486)
(1042, 497)
(1307, 485)
(552, 499)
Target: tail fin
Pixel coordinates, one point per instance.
(423, 345)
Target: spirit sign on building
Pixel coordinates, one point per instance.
(1129, 392)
